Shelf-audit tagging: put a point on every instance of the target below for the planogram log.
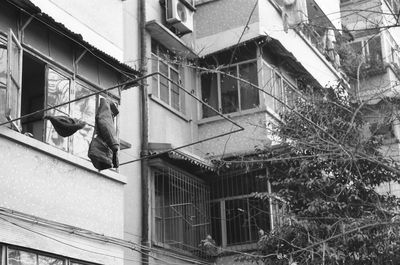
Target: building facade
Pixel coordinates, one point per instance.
(374, 69)
(227, 68)
(220, 72)
(56, 208)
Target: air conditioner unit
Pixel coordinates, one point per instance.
(179, 15)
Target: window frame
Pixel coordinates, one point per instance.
(178, 176)
(240, 185)
(156, 60)
(10, 109)
(5, 248)
(366, 49)
(49, 65)
(238, 87)
(276, 105)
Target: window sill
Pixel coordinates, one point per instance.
(168, 107)
(59, 154)
(233, 115)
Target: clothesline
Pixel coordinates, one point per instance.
(134, 81)
(77, 99)
(225, 117)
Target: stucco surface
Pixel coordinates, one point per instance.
(35, 183)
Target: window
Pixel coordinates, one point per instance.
(3, 79)
(282, 94)
(44, 86)
(227, 93)
(162, 88)
(19, 256)
(236, 215)
(181, 210)
(371, 49)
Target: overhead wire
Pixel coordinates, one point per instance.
(100, 92)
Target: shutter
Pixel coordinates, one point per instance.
(14, 77)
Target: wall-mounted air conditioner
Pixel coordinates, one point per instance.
(179, 15)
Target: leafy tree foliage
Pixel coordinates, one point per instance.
(328, 179)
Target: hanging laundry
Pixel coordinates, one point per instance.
(103, 150)
(65, 126)
(294, 13)
(100, 154)
(330, 44)
(105, 123)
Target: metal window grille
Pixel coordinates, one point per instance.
(182, 214)
(236, 216)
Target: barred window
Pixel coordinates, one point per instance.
(181, 210)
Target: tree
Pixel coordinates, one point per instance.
(328, 178)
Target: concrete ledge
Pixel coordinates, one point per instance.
(57, 153)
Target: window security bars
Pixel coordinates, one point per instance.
(181, 210)
(237, 216)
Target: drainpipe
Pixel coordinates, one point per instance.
(145, 136)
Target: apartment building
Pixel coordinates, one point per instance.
(227, 68)
(56, 207)
(374, 68)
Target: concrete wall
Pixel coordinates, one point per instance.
(43, 181)
(245, 141)
(265, 21)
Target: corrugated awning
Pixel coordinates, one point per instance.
(181, 158)
(31, 8)
(167, 38)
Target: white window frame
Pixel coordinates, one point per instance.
(284, 95)
(219, 76)
(156, 91)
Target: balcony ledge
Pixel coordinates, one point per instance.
(59, 154)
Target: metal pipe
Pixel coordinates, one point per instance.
(145, 137)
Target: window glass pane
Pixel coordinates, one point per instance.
(84, 109)
(154, 78)
(357, 47)
(290, 94)
(229, 92)
(58, 90)
(259, 217)
(18, 257)
(43, 260)
(3, 81)
(268, 85)
(52, 137)
(81, 140)
(249, 96)
(237, 222)
(216, 232)
(14, 63)
(209, 93)
(375, 51)
(164, 89)
(175, 90)
(278, 93)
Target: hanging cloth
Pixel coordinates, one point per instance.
(103, 150)
(105, 123)
(294, 13)
(100, 154)
(65, 126)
